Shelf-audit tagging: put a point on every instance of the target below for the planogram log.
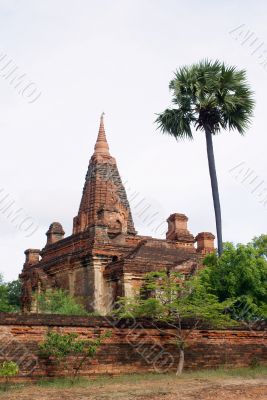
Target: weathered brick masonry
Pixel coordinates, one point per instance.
(135, 346)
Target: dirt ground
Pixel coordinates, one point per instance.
(167, 389)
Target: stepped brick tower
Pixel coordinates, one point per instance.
(104, 199)
(105, 258)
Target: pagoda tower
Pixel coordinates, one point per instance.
(104, 200)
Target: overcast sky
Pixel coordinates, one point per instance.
(85, 57)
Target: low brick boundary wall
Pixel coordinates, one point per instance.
(135, 346)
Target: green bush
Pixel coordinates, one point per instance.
(7, 370)
(58, 301)
(9, 295)
(59, 347)
(239, 275)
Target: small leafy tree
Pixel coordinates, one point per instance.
(58, 301)
(8, 369)
(167, 297)
(61, 346)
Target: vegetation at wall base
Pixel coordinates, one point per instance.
(58, 347)
(137, 379)
(8, 369)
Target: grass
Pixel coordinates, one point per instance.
(249, 373)
(103, 380)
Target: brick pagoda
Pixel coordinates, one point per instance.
(105, 258)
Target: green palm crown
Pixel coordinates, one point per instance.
(208, 95)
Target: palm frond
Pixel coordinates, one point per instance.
(176, 123)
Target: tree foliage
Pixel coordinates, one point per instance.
(14, 293)
(9, 295)
(61, 346)
(4, 300)
(166, 296)
(8, 369)
(4, 305)
(57, 301)
(207, 95)
(239, 275)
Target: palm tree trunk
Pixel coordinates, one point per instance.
(215, 190)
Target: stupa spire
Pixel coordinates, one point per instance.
(104, 200)
(101, 146)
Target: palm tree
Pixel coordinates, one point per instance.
(208, 96)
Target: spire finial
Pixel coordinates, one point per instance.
(101, 146)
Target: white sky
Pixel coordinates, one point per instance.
(119, 56)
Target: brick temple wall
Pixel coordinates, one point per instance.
(135, 346)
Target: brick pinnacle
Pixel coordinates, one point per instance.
(101, 146)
